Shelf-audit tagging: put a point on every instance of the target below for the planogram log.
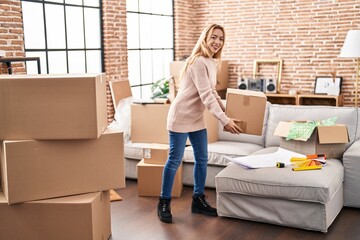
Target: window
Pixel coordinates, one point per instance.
(65, 34)
(150, 43)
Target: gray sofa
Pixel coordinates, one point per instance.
(308, 199)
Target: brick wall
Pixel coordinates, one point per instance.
(12, 34)
(115, 44)
(306, 34)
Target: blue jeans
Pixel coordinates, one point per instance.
(198, 140)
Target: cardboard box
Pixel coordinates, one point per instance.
(67, 106)
(33, 170)
(222, 74)
(329, 140)
(149, 121)
(248, 107)
(150, 180)
(119, 90)
(156, 153)
(77, 217)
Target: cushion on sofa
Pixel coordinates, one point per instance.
(218, 150)
(259, 140)
(277, 113)
(313, 186)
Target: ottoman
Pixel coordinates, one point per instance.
(302, 199)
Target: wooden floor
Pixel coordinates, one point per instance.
(135, 218)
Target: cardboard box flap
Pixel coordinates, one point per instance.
(120, 89)
(246, 92)
(333, 134)
(282, 129)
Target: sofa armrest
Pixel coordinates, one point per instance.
(351, 162)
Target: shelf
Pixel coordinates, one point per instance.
(305, 99)
(9, 60)
(321, 100)
(282, 99)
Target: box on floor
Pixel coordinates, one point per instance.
(150, 180)
(329, 140)
(46, 106)
(85, 216)
(248, 107)
(33, 170)
(155, 153)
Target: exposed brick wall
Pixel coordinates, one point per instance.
(306, 34)
(115, 44)
(184, 28)
(12, 34)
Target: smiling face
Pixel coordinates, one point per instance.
(216, 40)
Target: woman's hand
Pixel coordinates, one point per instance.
(232, 127)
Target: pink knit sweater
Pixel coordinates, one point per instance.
(197, 91)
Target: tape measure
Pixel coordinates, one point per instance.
(280, 165)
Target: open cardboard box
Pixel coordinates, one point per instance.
(329, 140)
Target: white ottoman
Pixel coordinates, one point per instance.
(302, 199)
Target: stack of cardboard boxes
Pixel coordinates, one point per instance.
(58, 160)
(155, 135)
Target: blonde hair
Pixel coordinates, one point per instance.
(201, 47)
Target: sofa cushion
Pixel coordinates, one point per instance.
(277, 113)
(283, 183)
(259, 140)
(218, 150)
(134, 150)
(351, 161)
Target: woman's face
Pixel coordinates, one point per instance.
(216, 40)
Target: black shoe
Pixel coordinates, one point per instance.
(200, 205)
(164, 210)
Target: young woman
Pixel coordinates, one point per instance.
(186, 119)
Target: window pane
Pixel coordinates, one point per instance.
(93, 3)
(168, 28)
(134, 67)
(57, 62)
(31, 66)
(136, 92)
(75, 27)
(146, 92)
(75, 2)
(92, 28)
(93, 61)
(145, 6)
(55, 26)
(158, 65)
(159, 34)
(33, 25)
(168, 58)
(58, 1)
(132, 22)
(146, 67)
(145, 31)
(76, 61)
(161, 7)
(132, 5)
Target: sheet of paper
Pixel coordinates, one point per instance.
(266, 160)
